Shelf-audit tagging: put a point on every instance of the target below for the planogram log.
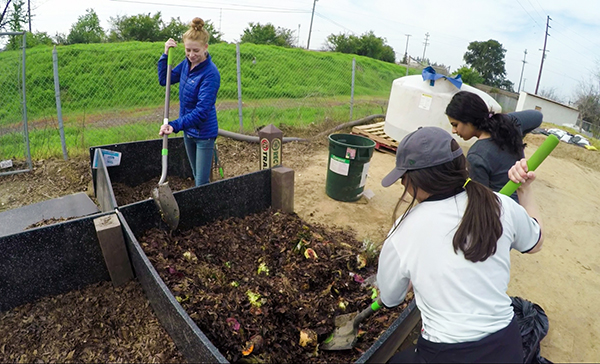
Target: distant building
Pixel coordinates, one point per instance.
(554, 111)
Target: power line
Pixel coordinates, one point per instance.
(579, 35)
(535, 21)
(541, 7)
(265, 10)
(333, 22)
(535, 9)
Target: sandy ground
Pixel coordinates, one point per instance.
(564, 278)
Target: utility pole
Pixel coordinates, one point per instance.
(522, 69)
(29, 14)
(311, 21)
(425, 46)
(543, 55)
(298, 37)
(220, 14)
(406, 53)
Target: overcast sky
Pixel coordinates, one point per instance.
(573, 45)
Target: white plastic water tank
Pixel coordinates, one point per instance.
(414, 103)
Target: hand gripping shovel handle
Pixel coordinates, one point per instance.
(165, 142)
(532, 163)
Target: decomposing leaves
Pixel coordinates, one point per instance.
(309, 283)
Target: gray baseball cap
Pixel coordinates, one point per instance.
(423, 148)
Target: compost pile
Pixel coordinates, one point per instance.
(267, 287)
(96, 324)
(124, 194)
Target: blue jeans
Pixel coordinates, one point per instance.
(200, 155)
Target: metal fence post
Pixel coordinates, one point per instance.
(58, 105)
(25, 130)
(239, 85)
(352, 88)
(23, 108)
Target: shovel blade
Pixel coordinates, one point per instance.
(344, 335)
(169, 210)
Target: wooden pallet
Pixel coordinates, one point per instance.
(383, 142)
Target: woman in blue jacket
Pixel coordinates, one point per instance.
(199, 81)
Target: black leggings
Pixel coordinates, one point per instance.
(504, 346)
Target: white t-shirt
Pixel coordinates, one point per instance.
(459, 300)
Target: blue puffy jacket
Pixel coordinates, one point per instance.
(197, 96)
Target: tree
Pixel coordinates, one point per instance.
(4, 13)
(174, 29)
(142, 27)
(507, 85)
(268, 34)
(588, 103)
(487, 58)
(368, 45)
(60, 38)
(15, 21)
(87, 29)
(17, 18)
(469, 75)
(215, 35)
(550, 93)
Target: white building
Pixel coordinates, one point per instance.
(554, 112)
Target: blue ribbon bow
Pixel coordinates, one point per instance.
(430, 74)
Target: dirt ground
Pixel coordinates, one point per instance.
(564, 278)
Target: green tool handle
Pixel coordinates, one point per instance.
(532, 163)
(375, 306)
(169, 56)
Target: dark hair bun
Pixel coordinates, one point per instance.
(197, 24)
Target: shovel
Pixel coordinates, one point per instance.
(162, 195)
(346, 328)
(344, 336)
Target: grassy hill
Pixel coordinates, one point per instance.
(109, 85)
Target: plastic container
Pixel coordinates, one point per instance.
(414, 103)
(349, 157)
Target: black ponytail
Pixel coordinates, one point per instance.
(468, 107)
(480, 227)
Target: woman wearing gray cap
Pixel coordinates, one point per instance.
(454, 247)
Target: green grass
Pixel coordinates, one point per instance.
(101, 83)
(46, 143)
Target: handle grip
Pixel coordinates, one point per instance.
(533, 162)
(169, 56)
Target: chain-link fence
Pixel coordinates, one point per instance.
(15, 154)
(109, 93)
(588, 128)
